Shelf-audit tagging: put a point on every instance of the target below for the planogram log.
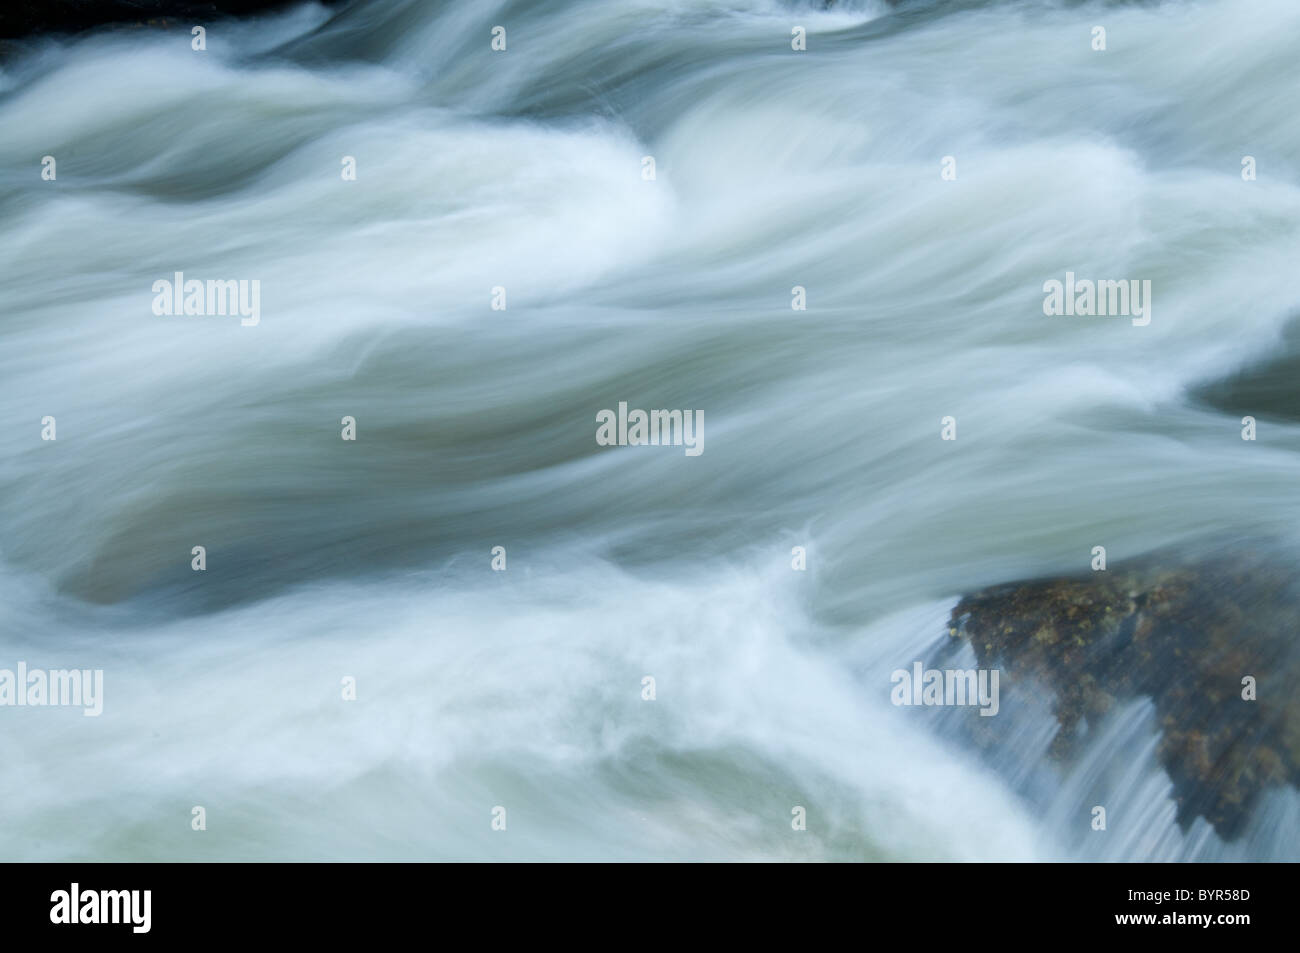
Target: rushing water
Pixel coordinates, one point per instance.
(522, 169)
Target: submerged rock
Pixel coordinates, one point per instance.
(1185, 636)
(1269, 389)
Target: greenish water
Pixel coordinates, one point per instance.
(522, 169)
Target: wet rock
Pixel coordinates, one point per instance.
(1183, 635)
(1268, 389)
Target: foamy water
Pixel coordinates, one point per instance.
(522, 170)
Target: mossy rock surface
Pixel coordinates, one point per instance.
(1183, 635)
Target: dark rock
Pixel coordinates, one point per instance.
(1268, 389)
(20, 18)
(1183, 635)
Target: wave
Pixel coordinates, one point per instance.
(523, 171)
